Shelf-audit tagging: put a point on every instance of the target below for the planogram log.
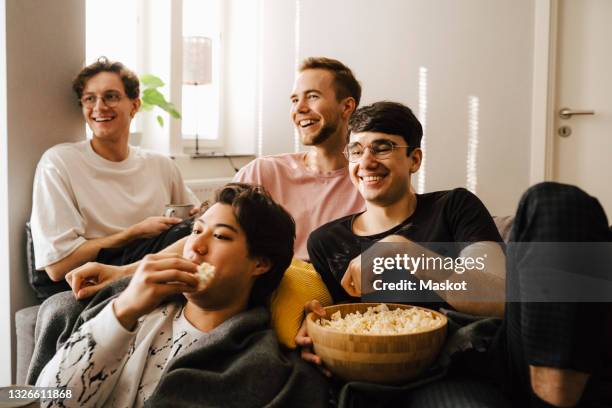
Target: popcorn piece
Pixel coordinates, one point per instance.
(206, 273)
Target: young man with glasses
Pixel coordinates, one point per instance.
(101, 193)
(383, 152)
(545, 353)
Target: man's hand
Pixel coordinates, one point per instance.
(157, 277)
(305, 342)
(200, 209)
(351, 280)
(89, 279)
(151, 227)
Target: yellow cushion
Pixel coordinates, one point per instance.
(300, 284)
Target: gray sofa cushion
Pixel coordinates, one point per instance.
(25, 322)
(40, 282)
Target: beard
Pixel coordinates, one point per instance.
(321, 136)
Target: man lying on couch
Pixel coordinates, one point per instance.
(210, 346)
(544, 354)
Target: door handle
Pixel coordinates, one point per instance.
(566, 113)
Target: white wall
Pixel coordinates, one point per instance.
(476, 48)
(45, 47)
(278, 72)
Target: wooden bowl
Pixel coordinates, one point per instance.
(384, 359)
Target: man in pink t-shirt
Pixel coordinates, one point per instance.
(314, 186)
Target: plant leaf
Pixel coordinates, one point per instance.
(146, 107)
(153, 97)
(174, 113)
(171, 109)
(151, 81)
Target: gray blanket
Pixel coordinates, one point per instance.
(240, 364)
(243, 366)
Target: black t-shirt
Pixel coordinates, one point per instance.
(442, 216)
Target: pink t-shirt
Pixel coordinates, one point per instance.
(312, 198)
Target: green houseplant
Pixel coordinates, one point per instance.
(151, 97)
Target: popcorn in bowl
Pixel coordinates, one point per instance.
(377, 343)
(382, 321)
(206, 273)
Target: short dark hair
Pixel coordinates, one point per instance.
(345, 83)
(391, 118)
(128, 77)
(269, 230)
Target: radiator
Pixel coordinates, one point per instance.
(205, 189)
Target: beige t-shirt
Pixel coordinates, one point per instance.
(312, 198)
(78, 195)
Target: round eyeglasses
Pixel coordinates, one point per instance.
(110, 99)
(381, 149)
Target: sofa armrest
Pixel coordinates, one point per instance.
(25, 322)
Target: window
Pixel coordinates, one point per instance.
(133, 32)
(113, 35)
(201, 103)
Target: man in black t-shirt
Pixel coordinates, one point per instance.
(442, 216)
(384, 151)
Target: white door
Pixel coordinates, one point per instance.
(584, 83)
